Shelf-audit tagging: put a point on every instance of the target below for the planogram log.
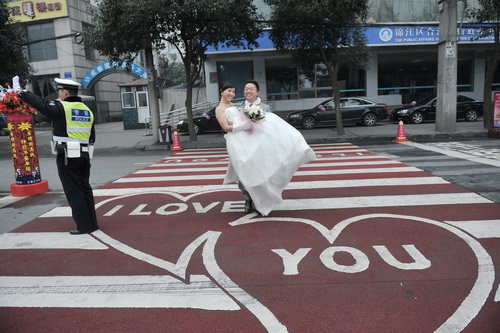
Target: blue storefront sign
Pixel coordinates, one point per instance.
(391, 35)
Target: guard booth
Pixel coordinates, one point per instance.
(135, 104)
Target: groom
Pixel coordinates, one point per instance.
(251, 93)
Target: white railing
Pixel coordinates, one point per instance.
(173, 117)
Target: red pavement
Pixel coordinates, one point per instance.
(360, 244)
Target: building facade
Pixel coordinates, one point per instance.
(55, 49)
(402, 38)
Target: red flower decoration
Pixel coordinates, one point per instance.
(11, 103)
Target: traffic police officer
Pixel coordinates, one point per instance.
(73, 137)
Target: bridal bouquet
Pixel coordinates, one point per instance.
(254, 112)
(11, 103)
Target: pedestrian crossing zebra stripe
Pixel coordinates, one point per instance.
(335, 203)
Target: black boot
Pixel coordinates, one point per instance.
(248, 206)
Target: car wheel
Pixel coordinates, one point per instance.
(471, 115)
(3, 132)
(196, 129)
(417, 117)
(369, 119)
(308, 123)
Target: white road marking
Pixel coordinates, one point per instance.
(298, 173)
(309, 165)
(479, 228)
(471, 305)
(225, 161)
(130, 291)
(382, 201)
(345, 202)
(321, 152)
(9, 200)
(49, 240)
(454, 153)
(291, 186)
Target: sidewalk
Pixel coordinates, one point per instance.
(384, 132)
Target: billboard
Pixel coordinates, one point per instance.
(29, 11)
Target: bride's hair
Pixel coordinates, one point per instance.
(225, 86)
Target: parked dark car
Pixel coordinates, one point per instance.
(425, 109)
(4, 130)
(355, 110)
(204, 123)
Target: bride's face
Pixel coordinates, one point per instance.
(229, 94)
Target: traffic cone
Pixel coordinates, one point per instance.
(177, 143)
(401, 137)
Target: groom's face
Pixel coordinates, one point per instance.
(251, 93)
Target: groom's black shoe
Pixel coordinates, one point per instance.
(248, 206)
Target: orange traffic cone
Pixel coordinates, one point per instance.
(401, 137)
(177, 143)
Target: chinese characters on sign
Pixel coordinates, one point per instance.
(403, 35)
(110, 65)
(23, 149)
(27, 8)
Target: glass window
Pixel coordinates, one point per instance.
(46, 49)
(317, 83)
(238, 73)
(414, 75)
(128, 100)
(45, 85)
(281, 79)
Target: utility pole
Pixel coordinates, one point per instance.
(152, 93)
(446, 108)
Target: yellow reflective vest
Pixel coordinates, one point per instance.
(79, 120)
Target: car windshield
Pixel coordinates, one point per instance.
(425, 100)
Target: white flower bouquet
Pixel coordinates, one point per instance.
(254, 112)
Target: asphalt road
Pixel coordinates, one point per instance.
(363, 242)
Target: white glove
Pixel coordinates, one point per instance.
(15, 84)
(242, 127)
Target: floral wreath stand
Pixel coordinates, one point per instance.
(24, 156)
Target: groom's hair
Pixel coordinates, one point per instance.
(254, 83)
(226, 85)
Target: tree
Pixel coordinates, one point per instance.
(197, 24)
(13, 58)
(489, 13)
(320, 31)
(122, 29)
(190, 25)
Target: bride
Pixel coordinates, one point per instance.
(263, 154)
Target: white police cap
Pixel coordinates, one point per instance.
(67, 84)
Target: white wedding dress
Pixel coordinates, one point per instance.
(265, 158)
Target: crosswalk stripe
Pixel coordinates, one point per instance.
(225, 161)
(298, 173)
(479, 228)
(353, 202)
(309, 165)
(130, 291)
(409, 181)
(48, 240)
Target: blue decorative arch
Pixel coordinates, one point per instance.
(109, 67)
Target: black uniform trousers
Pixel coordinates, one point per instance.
(75, 179)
